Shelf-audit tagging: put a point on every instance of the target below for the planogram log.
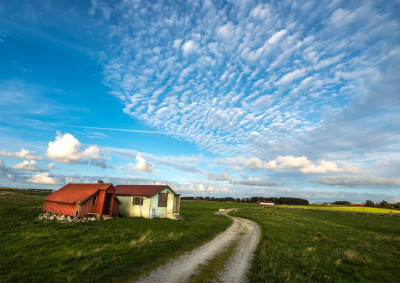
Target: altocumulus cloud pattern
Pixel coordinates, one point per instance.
(238, 77)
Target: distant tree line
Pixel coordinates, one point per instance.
(382, 204)
(275, 200)
(341, 202)
(369, 203)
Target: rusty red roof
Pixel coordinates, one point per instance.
(72, 193)
(139, 190)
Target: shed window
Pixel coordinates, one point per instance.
(162, 199)
(94, 200)
(137, 201)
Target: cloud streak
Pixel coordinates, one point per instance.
(29, 165)
(301, 164)
(351, 181)
(256, 182)
(23, 153)
(116, 130)
(223, 176)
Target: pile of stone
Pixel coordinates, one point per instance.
(63, 218)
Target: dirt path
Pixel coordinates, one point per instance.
(181, 269)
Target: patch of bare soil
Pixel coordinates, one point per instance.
(181, 269)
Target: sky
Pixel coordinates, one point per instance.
(213, 98)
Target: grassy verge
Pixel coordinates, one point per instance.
(209, 272)
(316, 246)
(117, 250)
(358, 209)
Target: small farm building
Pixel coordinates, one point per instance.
(148, 201)
(266, 202)
(81, 200)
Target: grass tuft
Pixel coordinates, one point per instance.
(209, 273)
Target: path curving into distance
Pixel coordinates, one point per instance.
(245, 231)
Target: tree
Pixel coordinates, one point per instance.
(341, 202)
(296, 201)
(384, 204)
(369, 203)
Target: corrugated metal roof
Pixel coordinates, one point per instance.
(72, 193)
(139, 190)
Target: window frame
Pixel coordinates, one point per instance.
(137, 199)
(162, 199)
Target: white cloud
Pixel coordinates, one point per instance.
(200, 188)
(44, 178)
(351, 181)
(102, 7)
(342, 17)
(307, 167)
(142, 164)
(226, 31)
(23, 153)
(277, 36)
(288, 162)
(190, 47)
(67, 149)
(324, 167)
(241, 163)
(2, 166)
(177, 43)
(223, 176)
(253, 163)
(51, 165)
(289, 77)
(301, 163)
(181, 163)
(29, 165)
(256, 182)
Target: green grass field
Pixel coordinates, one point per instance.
(296, 245)
(115, 250)
(358, 209)
(316, 246)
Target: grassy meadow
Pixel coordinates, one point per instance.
(357, 209)
(319, 246)
(114, 250)
(296, 245)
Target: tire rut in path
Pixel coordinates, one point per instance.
(182, 268)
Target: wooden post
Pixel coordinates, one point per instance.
(112, 204)
(103, 201)
(77, 209)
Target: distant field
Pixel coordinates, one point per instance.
(114, 250)
(343, 208)
(316, 246)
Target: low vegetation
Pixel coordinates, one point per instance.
(317, 246)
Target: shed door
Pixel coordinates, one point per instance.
(107, 204)
(176, 204)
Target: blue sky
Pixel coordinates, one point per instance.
(214, 98)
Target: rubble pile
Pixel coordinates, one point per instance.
(63, 218)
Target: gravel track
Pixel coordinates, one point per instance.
(182, 268)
